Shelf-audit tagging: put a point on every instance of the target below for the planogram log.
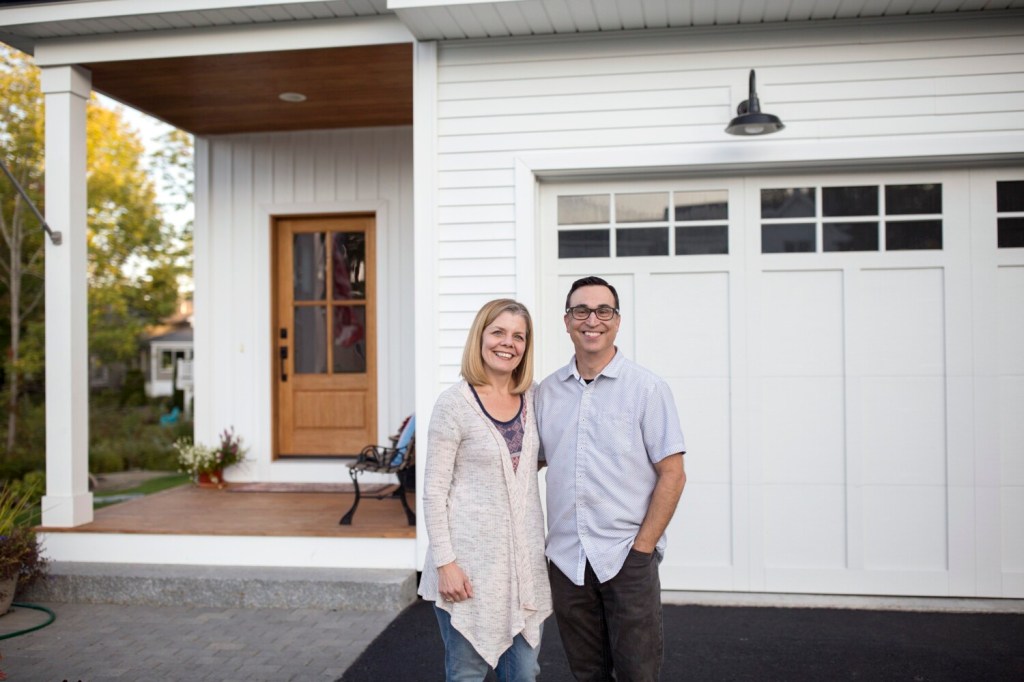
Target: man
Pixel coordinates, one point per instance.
(610, 434)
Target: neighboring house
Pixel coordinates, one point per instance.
(164, 348)
(837, 306)
(160, 358)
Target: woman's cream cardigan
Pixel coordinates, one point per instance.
(488, 518)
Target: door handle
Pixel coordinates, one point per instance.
(284, 365)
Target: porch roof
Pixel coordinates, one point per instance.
(359, 72)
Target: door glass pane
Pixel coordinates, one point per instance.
(584, 209)
(349, 262)
(1011, 233)
(909, 235)
(702, 239)
(311, 339)
(849, 236)
(1010, 196)
(583, 243)
(787, 238)
(911, 199)
(309, 261)
(794, 202)
(844, 201)
(642, 241)
(702, 205)
(641, 208)
(349, 339)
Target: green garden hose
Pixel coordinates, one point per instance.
(37, 607)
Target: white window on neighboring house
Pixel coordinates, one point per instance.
(166, 367)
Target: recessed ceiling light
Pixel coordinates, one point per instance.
(292, 97)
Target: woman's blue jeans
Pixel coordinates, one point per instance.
(463, 664)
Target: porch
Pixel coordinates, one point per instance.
(313, 512)
(210, 527)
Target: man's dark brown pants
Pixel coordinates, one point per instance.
(615, 625)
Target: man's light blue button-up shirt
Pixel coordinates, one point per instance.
(601, 441)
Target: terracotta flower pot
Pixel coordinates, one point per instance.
(7, 588)
(214, 479)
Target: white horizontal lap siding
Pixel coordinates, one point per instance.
(251, 177)
(619, 94)
(863, 80)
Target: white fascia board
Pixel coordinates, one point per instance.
(421, 4)
(105, 9)
(305, 35)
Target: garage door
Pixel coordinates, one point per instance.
(845, 352)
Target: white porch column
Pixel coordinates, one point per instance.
(68, 501)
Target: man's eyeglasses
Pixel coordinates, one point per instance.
(603, 312)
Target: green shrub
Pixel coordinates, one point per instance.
(133, 390)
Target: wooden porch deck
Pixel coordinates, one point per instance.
(188, 510)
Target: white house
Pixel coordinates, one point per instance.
(839, 306)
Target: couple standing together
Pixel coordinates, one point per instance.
(609, 433)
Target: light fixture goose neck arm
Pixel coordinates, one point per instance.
(750, 120)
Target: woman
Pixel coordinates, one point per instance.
(485, 569)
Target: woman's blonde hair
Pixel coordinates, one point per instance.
(472, 355)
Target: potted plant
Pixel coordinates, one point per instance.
(206, 464)
(21, 560)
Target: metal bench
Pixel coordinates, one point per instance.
(398, 459)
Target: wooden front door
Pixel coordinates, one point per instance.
(325, 363)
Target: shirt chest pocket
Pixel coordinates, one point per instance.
(617, 435)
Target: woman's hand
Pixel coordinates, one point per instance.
(453, 584)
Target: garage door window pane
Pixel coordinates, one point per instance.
(913, 235)
(702, 205)
(585, 209)
(796, 202)
(1010, 196)
(913, 199)
(1011, 233)
(849, 201)
(641, 208)
(583, 244)
(642, 241)
(849, 236)
(787, 238)
(701, 240)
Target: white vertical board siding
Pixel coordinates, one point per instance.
(946, 86)
(251, 179)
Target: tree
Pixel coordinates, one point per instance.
(21, 135)
(135, 257)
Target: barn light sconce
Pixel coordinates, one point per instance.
(751, 121)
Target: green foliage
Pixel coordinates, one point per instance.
(197, 458)
(20, 554)
(133, 389)
(122, 438)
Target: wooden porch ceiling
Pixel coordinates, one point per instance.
(349, 87)
(188, 510)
